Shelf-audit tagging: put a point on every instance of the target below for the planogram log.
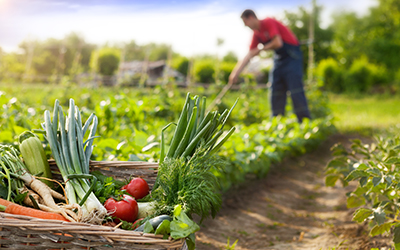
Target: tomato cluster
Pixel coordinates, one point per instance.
(126, 208)
(137, 187)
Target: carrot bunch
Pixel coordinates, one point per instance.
(40, 195)
(13, 208)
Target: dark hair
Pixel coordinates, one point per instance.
(247, 13)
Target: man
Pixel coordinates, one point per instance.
(287, 73)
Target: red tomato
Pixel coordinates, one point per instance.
(125, 209)
(136, 223)
(138, 188)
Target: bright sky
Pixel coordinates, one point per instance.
(190, 27)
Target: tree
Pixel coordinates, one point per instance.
(375, 36)
(230, 57)
(150, 51)
(383, 26)
(57, 57)
(12, 66)
(134, 52)
(181, 64)
(107, 61)
(204, 70)
(157, 51)
(78, 53)
(298, 23)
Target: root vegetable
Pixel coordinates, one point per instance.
(13, 208)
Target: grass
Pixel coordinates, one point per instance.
(366, 114)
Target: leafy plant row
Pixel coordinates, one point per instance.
(375, 169)
(254, 148)
(130, 126)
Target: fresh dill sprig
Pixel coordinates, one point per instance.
(191, 184)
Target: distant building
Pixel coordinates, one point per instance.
(156, 72)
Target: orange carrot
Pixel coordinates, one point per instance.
(13, 208)
(5, 202)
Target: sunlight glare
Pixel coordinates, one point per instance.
(3, 4)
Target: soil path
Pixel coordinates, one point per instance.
(290, 209)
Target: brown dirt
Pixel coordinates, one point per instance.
(290, 209)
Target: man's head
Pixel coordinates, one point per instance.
(250, 19)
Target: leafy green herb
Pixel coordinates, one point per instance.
(107, 187)
(190, 184)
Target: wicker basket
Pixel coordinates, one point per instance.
(24, 232)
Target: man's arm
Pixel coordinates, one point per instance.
(233, 77)
(275, 43)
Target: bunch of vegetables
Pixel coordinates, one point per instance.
(185, 183)
(27, 188)
(65, 136)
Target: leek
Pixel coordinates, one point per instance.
(65, 137)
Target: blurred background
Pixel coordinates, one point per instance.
(151, 42)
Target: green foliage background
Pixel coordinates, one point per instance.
(130, 123)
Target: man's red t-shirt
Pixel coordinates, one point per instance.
(269, 28)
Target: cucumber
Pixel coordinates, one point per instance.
(34, 156)
(155, 222)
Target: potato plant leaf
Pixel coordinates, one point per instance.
(363, 181)
(355, 174)
(379, 215)
(338, 149)
(330, 180)
(362, 214)
(355, 201)
(380, 229)
(393, 160)
(377, 180)
(338, 162)
(396, 234)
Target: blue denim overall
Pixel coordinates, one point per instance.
(287, 75)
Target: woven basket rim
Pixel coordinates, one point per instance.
(135, 164)
(109, 235)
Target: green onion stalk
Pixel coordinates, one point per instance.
(9, 166)
(72, 155)
(185, 169)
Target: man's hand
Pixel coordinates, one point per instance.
(233, 78)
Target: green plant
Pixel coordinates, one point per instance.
(204, 70)
(330, 75)
(181, 64)
(130, 120)
(362, 75)
(106, 61)
(229, 246)
(376, 168)
(263, 76)
(397, 80)
(226, 69)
